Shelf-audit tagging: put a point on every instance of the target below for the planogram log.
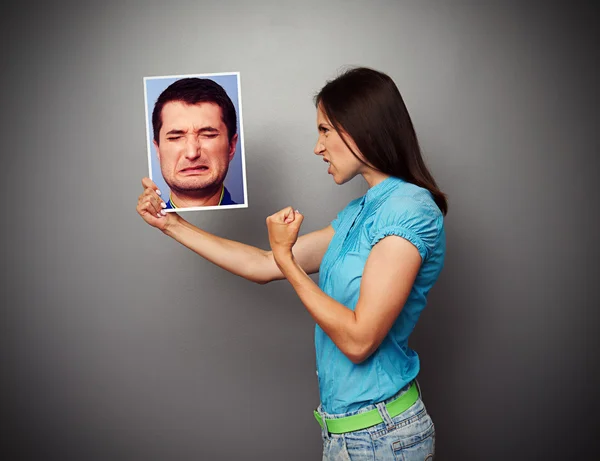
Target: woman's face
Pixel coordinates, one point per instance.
(343, 165)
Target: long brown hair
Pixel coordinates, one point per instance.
(367, 105)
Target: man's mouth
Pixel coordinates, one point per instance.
(194, 169)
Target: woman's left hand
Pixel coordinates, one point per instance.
(283, 229)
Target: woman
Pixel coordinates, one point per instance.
(376, 261)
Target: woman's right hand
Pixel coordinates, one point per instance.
(152, 208)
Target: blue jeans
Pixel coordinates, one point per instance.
(410, 436)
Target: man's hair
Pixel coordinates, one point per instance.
(194, 91)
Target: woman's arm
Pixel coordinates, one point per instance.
(249, 262)
(246, 261)
(387, 280)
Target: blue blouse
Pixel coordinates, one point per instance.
(392, 207)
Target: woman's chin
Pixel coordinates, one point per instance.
(339, 180)
(337, 177)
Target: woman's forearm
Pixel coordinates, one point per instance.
(240, 259)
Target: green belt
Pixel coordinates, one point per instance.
(372, 417)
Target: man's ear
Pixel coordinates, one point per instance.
(157, 149)
(232, 146)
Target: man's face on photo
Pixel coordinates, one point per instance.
(194, 149)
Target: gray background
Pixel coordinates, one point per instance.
(118, 343)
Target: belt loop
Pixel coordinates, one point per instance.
(385, 416)
(324, 431)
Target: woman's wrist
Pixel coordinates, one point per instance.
(173, 223)
(283, 257)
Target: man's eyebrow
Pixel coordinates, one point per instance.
(210, 129)
(204, 129)
(178, 132)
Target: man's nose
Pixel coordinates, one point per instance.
(193, 148)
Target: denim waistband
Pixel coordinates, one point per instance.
(380, 407)
(367, 407)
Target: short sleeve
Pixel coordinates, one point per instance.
(344, 213)
(416, 221)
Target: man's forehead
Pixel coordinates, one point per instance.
(179, 112)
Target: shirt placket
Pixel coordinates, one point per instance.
(338, 250)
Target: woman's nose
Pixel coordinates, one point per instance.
(319, 148)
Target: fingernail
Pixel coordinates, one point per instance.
(163, 212)
(158, 191)
(158, 215)
(297, 211)
(163, 204)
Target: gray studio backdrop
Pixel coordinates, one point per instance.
(118, 343)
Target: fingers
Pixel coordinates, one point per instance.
(146, 208)
(278, 217)
(149, 202)
(286, 216)
(289, 215)
(293, 216)
(297, 221)
(152, 192)
(147, 183)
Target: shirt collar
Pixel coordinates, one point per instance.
(382, 188)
